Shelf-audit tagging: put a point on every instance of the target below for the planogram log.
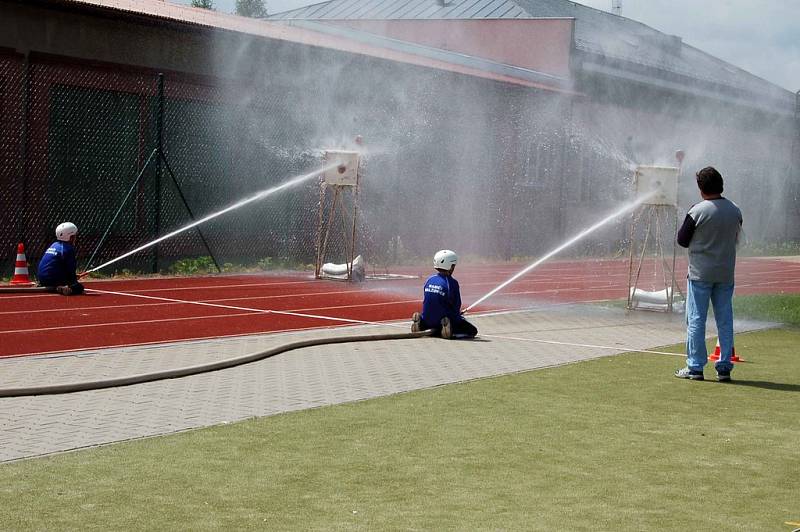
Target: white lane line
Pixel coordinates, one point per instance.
(779, 282)
(247, 312)
(196, 287)
(172, 303)
(256, 310)
(574, 344)
(220, 286)
(122, 323)
(167, 301)
(163, 301)
(183, 288)
(82, 351)
(232, 307)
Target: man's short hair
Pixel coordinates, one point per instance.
(709, 181)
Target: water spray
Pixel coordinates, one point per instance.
(263, 194)
(579, 236)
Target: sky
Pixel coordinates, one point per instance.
(760, 36)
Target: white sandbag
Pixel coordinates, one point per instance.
(650, 300)
(340, 270)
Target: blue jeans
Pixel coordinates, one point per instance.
(698, 294)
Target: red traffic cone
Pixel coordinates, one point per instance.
(716, 354)
(21, 277)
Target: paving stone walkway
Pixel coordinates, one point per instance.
(296, 380)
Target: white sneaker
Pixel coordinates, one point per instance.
(686, 373)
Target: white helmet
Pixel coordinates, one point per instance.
(65, 231)
(444, 259)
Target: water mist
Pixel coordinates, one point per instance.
(629, 207)
(263, 194)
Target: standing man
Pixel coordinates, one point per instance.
(57, 267)
(441, 303)
(711, 232)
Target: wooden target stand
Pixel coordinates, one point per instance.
(339, 217)
(654, 216)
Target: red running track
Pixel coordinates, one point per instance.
(142, 311)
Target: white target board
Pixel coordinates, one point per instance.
(660, 181)
(341, 168)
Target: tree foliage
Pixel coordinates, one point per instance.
(251, 8)
(205, 4)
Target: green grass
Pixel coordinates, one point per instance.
(783, 308)
(610, 444)
(205, 265)
(780, 308)
(767, 249)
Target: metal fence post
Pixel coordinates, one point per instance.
(159, 147)
(23, 177)
(794, 166)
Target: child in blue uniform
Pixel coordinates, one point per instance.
(57, 267)
(441, 304)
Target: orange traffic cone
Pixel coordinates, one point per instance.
(716, 354)
(21, 269)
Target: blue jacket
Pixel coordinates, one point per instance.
(442, 298)
(57, 267)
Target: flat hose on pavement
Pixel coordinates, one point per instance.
(201, 368)
(24, 289)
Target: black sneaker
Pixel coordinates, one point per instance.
(416, 320)
(447, 329)
(724, 376)
(686, 373)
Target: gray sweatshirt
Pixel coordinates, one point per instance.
(711, 231)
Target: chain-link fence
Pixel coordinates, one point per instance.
(128, 163)
(448, 161)
(129, 155)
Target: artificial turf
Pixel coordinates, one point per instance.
(610, 444)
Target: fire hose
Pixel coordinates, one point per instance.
(175, 373)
